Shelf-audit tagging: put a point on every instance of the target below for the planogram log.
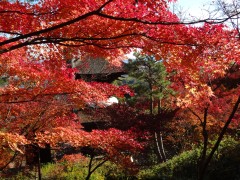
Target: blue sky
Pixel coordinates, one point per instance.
(194, 7)
(193, 4)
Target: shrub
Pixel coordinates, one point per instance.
(183, 166)
(112, 172)
(69, 170)
(76, 167)
(52, 171)
(225, 164)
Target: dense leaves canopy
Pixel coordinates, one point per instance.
(39, 92)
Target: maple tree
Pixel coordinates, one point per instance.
(38, 98)
(40, 92)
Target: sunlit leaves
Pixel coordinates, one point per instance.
(13, 141)
(113, 142)
(40, 93)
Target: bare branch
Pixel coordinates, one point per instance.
(208, 20)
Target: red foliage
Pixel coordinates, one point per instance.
(39, 92)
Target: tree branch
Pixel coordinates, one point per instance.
(42, 31)
(220, 137)
(224, 129)
(210, 21)
(100, 14)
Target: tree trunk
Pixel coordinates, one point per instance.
(39, 165)
(205, 144)
(162, 147)
(158, 151)
(159, 147)
(159, 134)
(205, 163)
(90, 166)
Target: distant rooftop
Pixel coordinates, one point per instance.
(96, 66)
(97, 69)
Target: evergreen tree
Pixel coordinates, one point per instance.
(149, 79)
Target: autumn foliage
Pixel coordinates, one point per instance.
(39, 93)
